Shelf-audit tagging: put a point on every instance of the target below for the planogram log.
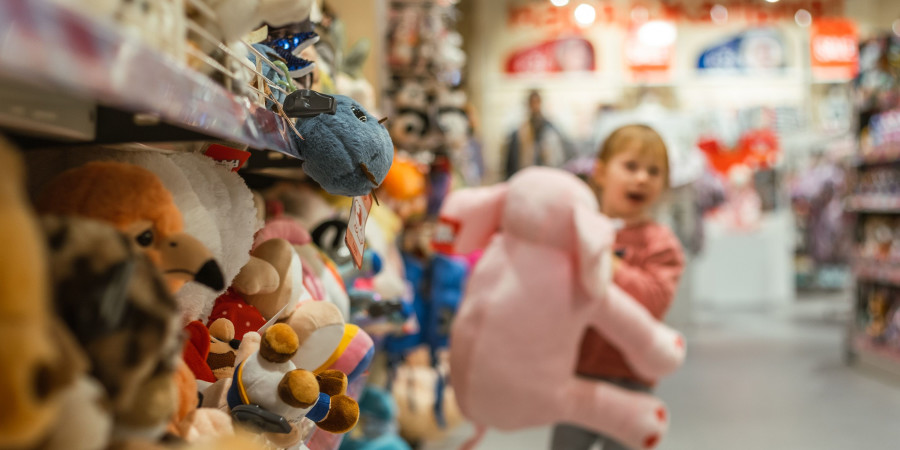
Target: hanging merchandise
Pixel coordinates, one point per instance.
(429, 111)
(506, 322)
(347, 151)
(879, 76)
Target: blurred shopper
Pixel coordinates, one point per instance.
(631, 174)
(537, 142)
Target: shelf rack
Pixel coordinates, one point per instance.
(879, 204)
(61, 53)
(863, 349)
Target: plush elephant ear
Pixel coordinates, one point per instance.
(470, 217)
(595, 235)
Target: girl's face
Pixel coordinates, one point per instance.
(630, 183)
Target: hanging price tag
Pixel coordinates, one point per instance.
(356, 228)
(444, 237)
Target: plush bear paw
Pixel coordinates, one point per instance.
(299, 388)
(332, 382)
(279, 343)
(342, 417)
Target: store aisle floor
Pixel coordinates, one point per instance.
(754, 380)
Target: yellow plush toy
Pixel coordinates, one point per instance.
(29, 387)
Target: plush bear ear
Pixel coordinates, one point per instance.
(594, 235)
(470, 217)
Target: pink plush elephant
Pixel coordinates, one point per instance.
(544, 278)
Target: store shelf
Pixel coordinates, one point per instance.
(882, 357)
(887, 204)
(868, 269)
(882, 154)
(55, 49)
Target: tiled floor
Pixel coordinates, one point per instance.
(772, 380)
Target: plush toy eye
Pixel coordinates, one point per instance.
(145, 239)
(359, 114)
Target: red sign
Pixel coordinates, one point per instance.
(228, 157)
(833, 48)
(573, 54)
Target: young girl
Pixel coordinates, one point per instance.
(631, 174)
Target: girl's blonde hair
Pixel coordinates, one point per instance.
(648, 142)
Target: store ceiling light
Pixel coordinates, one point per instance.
(657, 33)
(585, 14)
(559, 2)
(719, 14)
(803, 18)
(772, 1)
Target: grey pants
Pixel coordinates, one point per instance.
(571, 437)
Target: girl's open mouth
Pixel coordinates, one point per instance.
(636, 197)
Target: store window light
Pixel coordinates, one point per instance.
(896, 27)
(585, 14)
(719, 14)
(657, 33)
(803, 18)
(559, 2)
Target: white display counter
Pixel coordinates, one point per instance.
(746, 269)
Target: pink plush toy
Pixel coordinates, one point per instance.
(544, 278)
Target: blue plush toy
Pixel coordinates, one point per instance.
(348, 152)
(377, 428)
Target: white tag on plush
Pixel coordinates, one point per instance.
(274, 319)
(356, 228)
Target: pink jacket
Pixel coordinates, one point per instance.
(543, 280)
(649, 271)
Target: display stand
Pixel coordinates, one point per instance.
(746, 269)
